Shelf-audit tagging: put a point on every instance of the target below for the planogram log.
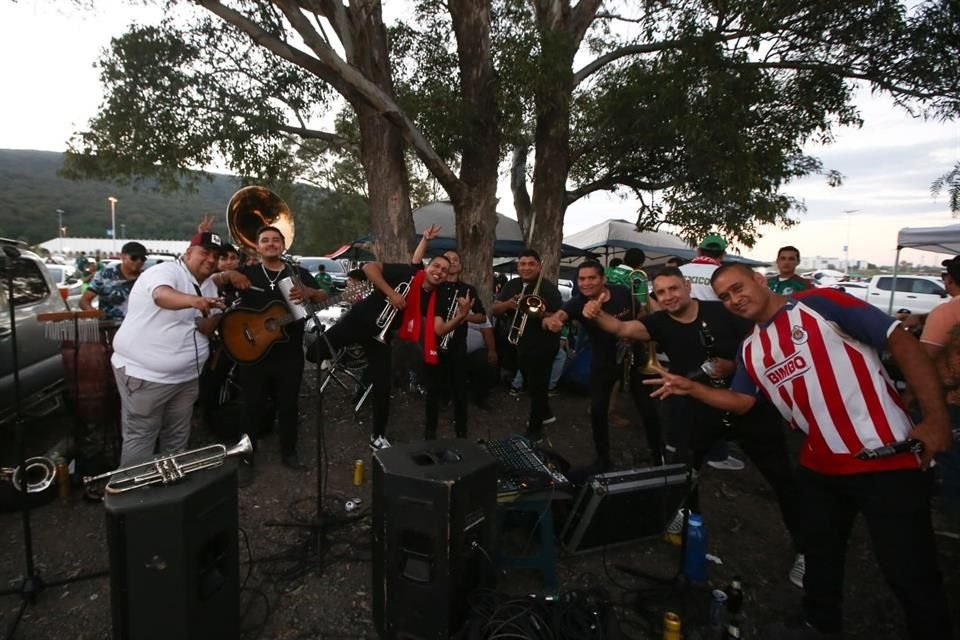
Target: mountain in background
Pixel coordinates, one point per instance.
(32, 192)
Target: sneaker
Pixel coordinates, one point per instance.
(515, 392)
(550, 419)
(379, 442)
(797, 571)
(674, 531)
(669, 448)
(730, 464)
(552, 392)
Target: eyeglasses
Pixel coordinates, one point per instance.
(139, 258)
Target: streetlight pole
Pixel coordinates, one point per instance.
(60, 229)
(113, 224)
(123, 231)
(846, 247)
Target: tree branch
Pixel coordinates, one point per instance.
(610, 182)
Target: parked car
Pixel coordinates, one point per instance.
(916, 294)
(63, 278)
(40, 366)
(856, 289)
(336, 271)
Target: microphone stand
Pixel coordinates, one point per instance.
(316, 527)
(32, 584)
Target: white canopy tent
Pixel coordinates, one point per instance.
(945, 239)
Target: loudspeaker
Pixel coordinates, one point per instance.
(618, 507)
(434, 514)
(174, 559)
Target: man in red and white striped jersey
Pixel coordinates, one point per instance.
(816, 357)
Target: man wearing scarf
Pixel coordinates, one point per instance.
(359, 325)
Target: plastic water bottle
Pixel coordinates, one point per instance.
(695, 558)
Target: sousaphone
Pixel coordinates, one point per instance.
(251, 208)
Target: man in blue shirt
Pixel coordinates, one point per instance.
(112, 285)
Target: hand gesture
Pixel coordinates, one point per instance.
(463, 305)
(553, 323)
(431, 232)
(670, 385)
(206, 225)
(592, 309)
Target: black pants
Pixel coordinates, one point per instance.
(448, 377)
(535, 365)
(603, 377)
(481, 375)
(279, 377)
(896, 509)
(649, 409)
(348, 332)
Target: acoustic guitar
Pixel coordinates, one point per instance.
(248, 334)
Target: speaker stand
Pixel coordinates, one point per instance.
(32, 584)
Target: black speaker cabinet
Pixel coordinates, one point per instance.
(174, 559)
(618, 507)
(434, 511)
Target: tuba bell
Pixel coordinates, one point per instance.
(251, 208)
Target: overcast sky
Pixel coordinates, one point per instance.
(888, 164)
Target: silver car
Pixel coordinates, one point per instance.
(40, 365)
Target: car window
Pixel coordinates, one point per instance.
(29, 285)
(925, 286)
(884, 283)
(56, 273)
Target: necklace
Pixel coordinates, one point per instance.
(272, 281)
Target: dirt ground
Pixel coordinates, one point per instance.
(290, 591)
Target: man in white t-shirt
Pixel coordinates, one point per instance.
(160, 349)
(698, 271)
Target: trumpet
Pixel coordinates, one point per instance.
(528, 306)
(451, 312)
(171, 469)
(38, 474)
(385, 319)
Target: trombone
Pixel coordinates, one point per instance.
(37, 473)
(385, 319)
(171, 469)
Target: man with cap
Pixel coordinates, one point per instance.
(112, 285)
(160, 349)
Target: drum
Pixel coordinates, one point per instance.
(89, 375)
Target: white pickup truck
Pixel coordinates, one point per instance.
(917, 294)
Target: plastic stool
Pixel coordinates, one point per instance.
(543, 559)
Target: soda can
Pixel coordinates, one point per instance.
(671, 626)
(357, 472)
(718, 603)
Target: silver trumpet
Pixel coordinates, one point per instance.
(519, 323)
(38, 473)
(451, 312)
(385, 319)
(173, 468)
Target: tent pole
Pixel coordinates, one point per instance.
(893, 286)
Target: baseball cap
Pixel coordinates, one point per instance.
(133, 249)
(713, 241)
(952, 266)
(208, 240)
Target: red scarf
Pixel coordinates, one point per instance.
(410, 329)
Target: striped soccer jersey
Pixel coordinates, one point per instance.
(817, 360)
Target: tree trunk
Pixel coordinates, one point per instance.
(475, 199)
(381, 143)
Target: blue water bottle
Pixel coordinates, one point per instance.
(695, 558)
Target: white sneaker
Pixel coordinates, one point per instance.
(798, 570)
(669, 448)
(730, 464)
(379, 442)
(549, 419)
